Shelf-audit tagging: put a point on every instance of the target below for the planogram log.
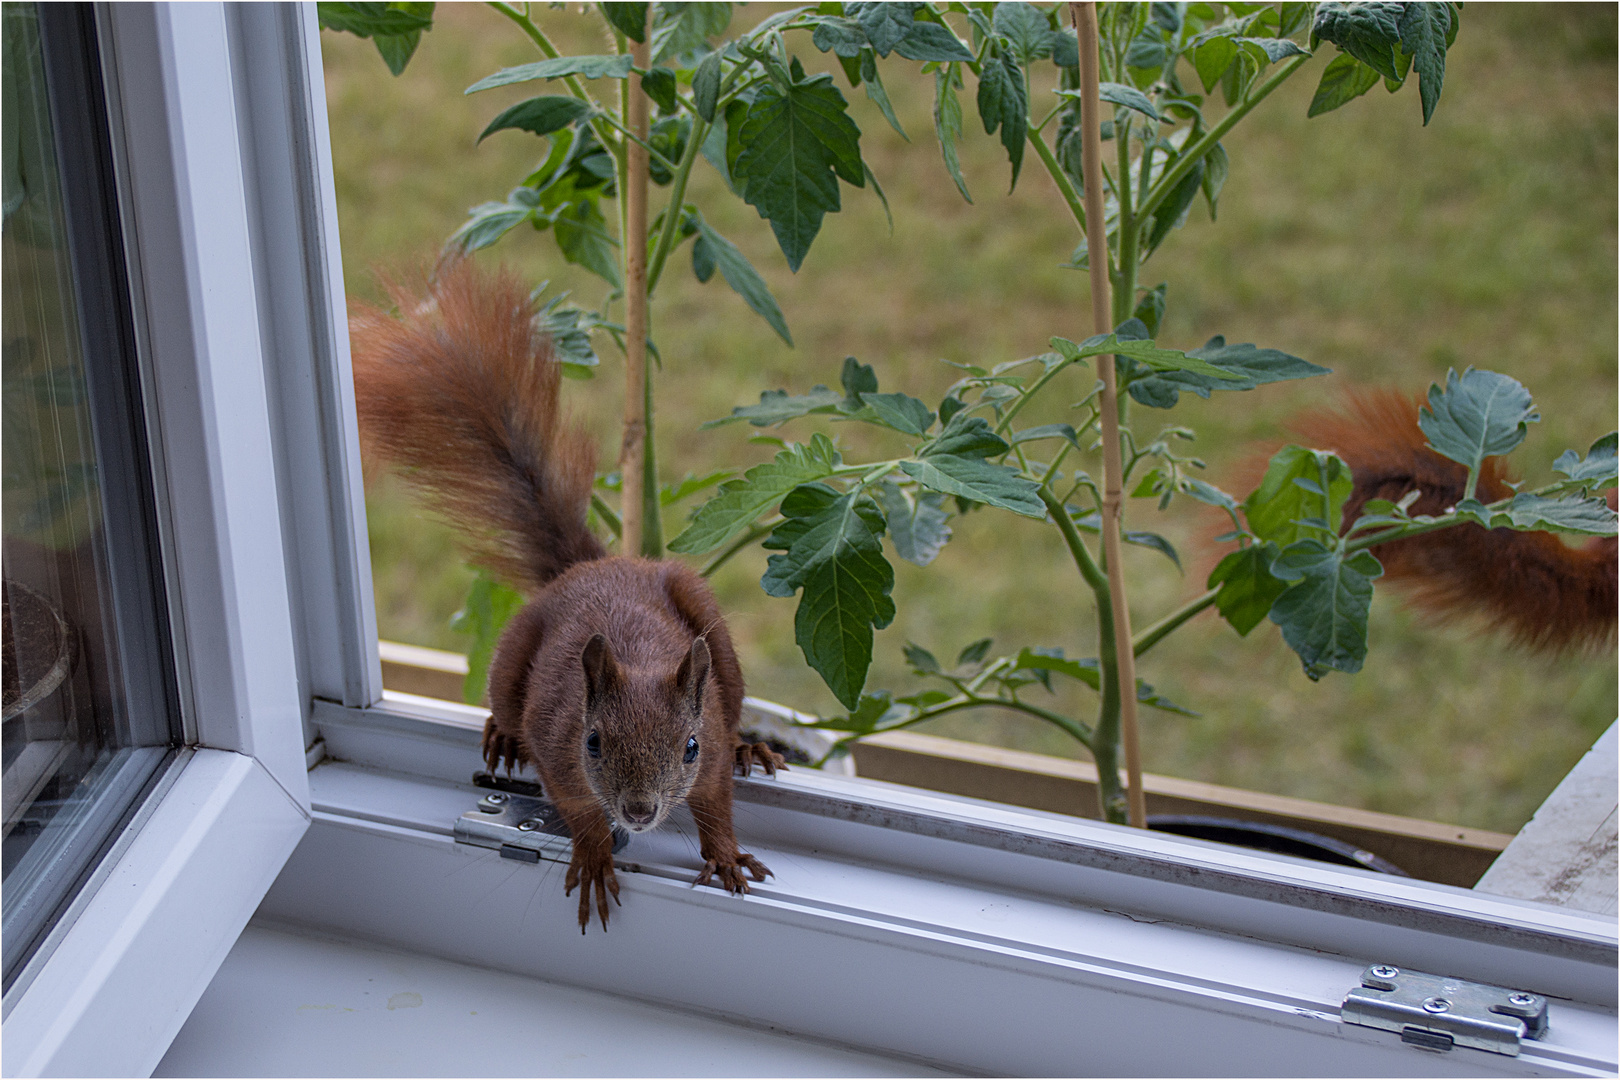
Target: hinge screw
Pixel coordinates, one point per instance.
(528, 826)
(1522, 1000)
(495, 798)
(1386, 971)
(1436, 1005)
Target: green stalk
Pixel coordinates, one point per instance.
(677, 199)
(1046, 377)
(756, 532)
(1166, 626)
(1064, 185)
(575, 87)
(1193, 154)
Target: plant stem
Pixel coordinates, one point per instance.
(1064, 185)
(758, 530)
(677, 200)
(605, 512)
(1193, 154)
(1085, 19)
(639, 490)
(1013, 410)
(575, 87)
(1171, 622)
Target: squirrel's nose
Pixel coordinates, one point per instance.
(640, 813)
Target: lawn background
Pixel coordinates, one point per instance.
(1360, 240)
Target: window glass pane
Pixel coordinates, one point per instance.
(87, 713)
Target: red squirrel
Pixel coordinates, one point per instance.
(617, 681)
(1540, 591)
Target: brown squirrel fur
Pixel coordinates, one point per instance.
(1541, 592)
(617, 680)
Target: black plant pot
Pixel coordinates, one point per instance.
(1276, 838)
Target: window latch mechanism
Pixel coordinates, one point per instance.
(521, 826)
(1437, 1013)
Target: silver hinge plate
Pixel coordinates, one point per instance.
(1437, 1013)
(521, 827)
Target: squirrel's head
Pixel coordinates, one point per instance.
(642, 740)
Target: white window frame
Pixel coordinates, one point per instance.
(1119, 951)
(229, 228)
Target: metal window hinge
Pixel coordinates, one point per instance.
(522, 827)
(1437, 1013)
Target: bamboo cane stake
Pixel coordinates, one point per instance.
(634, 234)
(1085, 23)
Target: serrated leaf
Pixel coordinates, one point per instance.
(589, 67)
(540, 115)
(857, 379)
(1323, 614)
(1424, 30)
(967, 436)
(679, 29)
(628, 19)
(659, 84)
(1273, 49)
(975, 652)
(706, 86)
(1025, 29)
(397, 49)
(921, 659)
(977, 480)
(1578, 514)
(1253, 367)
(739, 503)
(931, 42)
(1368, 31)
(948, 126)
(917, 522)
(901, 412)
(1276, 508)
(792, 146)
(1596, 470)
(1343, 80)
(743, 279)
(1247, 586)
(1154, 542)
(1172, 212)
(1003, 101)
(1143, 351)
(1047, 431)
(1126, 97)
(885, 24)
(842, 37)
(833, 553)
(487, 223)
(569, 329)
(879, 96)
(583, 239)
(368, 20)
(1211, 59)
(777, 406)
(489, 606)
(1479, 414)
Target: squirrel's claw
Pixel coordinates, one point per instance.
(731, 873)
(761, 754)
(587, 873)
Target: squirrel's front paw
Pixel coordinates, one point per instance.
(730, 872)
(761, 754)
(586, 871)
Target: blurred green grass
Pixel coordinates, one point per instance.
(1359, 240)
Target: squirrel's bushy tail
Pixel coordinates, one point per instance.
(1541, 591)
(458, 389)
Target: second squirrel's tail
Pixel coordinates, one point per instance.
(459, 391)
(1542, 592)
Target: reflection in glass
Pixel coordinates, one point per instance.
(80, 739)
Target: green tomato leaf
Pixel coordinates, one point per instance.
(1276, 509)
(370, 20)
(1154, 542)
(739, 503)
(901, 412)
(1216, 167)
(880, 96)
(1253, 367)
(743, 279)
(1126, 97)
(967, 436)
(1004, 103)
(1425, 30)
(1479, 414)
(858, 380)
(659, 84)
(590, 67)
(702, 260)
(487, 223)
(1047, 431)
(921, 660)
(1025, 29)
(397, 49)
(1247, 586)
(1212, 57)
(917, 522)
(977, 480)
(628, 19)
(484, 614)
(791, 148)
(974, 653)
(706, 86)
(931, 42)
(1141, 350)
(1208, 494)
(777, 407)
(1593, 472)
(1368, 31)
(948, 125)
(1088, 671)
(679, 29)
(570, 329)
(583, 239)
(885, 24)
(690, 485)
(1323, 614)
(834, 552)
(1343, 80)
(540, 115)
(842, 37)
(1579, 514)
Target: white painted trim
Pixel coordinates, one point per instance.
(123, 979)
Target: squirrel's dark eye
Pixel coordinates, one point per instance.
(691, 751)
(593, 744)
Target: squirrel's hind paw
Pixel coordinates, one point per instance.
(761, 754)
(731, 873)
(502, 751)
(586, 873)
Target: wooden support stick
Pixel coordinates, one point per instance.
(1085, 24)
(634, 235)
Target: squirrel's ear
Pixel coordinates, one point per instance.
(601, 669)
(693, 673)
